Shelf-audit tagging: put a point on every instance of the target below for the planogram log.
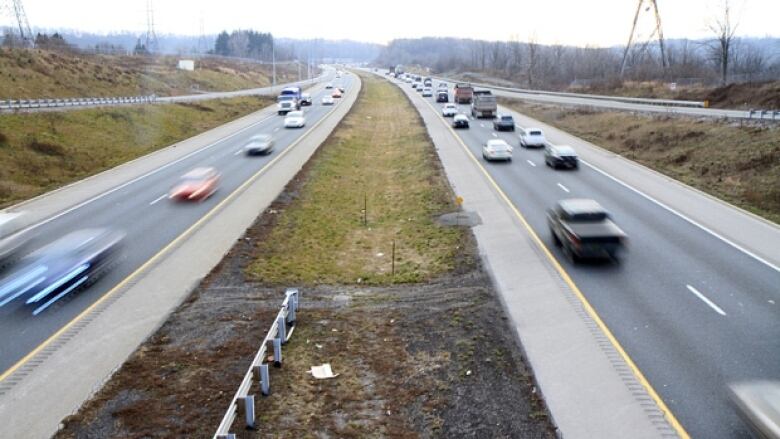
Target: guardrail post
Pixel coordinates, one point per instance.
(282, 328)
(265, 379)
(292, 304)
(247, 405)
(278, 352)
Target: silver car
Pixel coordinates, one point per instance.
(497, 149)
(259, 144)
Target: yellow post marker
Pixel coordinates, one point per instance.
(459, 200)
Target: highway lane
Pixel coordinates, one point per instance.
(683, 345)
(151, 222)
(619, 104)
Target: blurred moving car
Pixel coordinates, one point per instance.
(442, 96)
(305, 99)
(13, 240)
(584, 230)
(504, 122)
(460, 121)
(327, 100)
(295, 119)
(196, 185)
(497, 149)
(758, 404)
(427, 92)
(560, 156)
(532, 137)
(449, 110)
(259, 144)
(336, 93)
(52, 272)
(329, 86)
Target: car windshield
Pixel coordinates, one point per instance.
(535, 133)
(295, 114)
(497, 144)
(260, 138)
(565, 150)
(506, 118)
(284, 98)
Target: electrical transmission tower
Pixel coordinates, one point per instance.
(150, 40)
(636, 49)
(203, 46)
(15, 9)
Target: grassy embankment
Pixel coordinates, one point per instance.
(739, 164)
(36, 74)
(381, 154)
(43, 151)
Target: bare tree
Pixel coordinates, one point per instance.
(724, 29)
(533, 54)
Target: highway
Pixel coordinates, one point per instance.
(692, 311)
(151, 221)
(624, 104)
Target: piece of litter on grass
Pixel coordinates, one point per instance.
(379, 255)
(319, 346)
(392, 320)
(468, 372)
(322, 372)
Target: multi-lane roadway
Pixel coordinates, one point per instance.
(692, 311)
(141, 208)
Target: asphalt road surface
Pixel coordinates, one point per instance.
(150, 220)
(693, 312)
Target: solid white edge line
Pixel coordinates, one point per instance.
(156, 200)
(704, 299)
(681, 215)
(238, 152)
(564, 188)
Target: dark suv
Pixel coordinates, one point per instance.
(560, 156)
(504, 122)
(442, 96)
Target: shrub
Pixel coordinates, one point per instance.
(46, 148)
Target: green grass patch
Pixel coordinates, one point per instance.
(43, 151)
(734, 162)
(380, 153)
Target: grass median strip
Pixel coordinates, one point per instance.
(424, 353)
(739, 163)
(380, 159)
(43, 151)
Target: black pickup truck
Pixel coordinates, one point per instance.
(584, 230)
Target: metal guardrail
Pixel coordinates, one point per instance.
(26, 104)
(244, 400)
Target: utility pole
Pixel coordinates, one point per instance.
(16, 10)
(657, 31)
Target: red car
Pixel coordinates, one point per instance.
(336, 93)
(197, 184)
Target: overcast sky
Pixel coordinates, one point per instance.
(577, 22)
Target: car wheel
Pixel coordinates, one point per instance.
(555, 239)
(570, 254)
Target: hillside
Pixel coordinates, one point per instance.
(34, 74)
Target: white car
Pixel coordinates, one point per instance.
(327, 100)
(294, 119)
(449, 110)
(427, 92)
(532, 137)
(497, 149)
(259, 144)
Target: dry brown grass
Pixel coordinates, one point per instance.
(740, 164)
(381, 153)
(36, 74)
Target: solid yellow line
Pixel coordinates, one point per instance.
(159, 254)
(591, 311)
